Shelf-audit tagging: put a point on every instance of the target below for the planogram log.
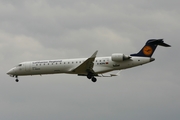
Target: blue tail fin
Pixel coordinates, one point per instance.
(150, 47)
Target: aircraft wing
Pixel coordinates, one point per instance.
(86, 66)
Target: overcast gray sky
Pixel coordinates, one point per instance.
(56, 29)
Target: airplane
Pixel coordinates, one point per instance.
(91, 67)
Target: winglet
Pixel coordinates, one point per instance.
(94, 55)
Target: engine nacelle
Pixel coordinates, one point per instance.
(118, 57)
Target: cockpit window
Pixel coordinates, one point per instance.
(20, 65)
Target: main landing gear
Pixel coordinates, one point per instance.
(90, 76)
(93, 79)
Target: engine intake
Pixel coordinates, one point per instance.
(118, 57)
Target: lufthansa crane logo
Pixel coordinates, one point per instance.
(147, 50)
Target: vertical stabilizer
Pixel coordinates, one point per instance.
(150, 47)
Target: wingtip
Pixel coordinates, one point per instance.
(94, 55)
(96, 52)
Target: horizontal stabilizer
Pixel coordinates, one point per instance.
(158, 42)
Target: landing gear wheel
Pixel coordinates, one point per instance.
(17, 80)
(94, 79)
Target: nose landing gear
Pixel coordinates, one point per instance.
(17, 80)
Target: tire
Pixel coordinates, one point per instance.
(17, 80)
(94, 79)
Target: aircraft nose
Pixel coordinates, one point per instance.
(11, 72)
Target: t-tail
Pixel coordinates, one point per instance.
(150, 47)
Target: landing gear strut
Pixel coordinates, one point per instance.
(17, 80)
(89, 76)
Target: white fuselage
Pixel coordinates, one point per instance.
(101, 65)
(91, 67)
